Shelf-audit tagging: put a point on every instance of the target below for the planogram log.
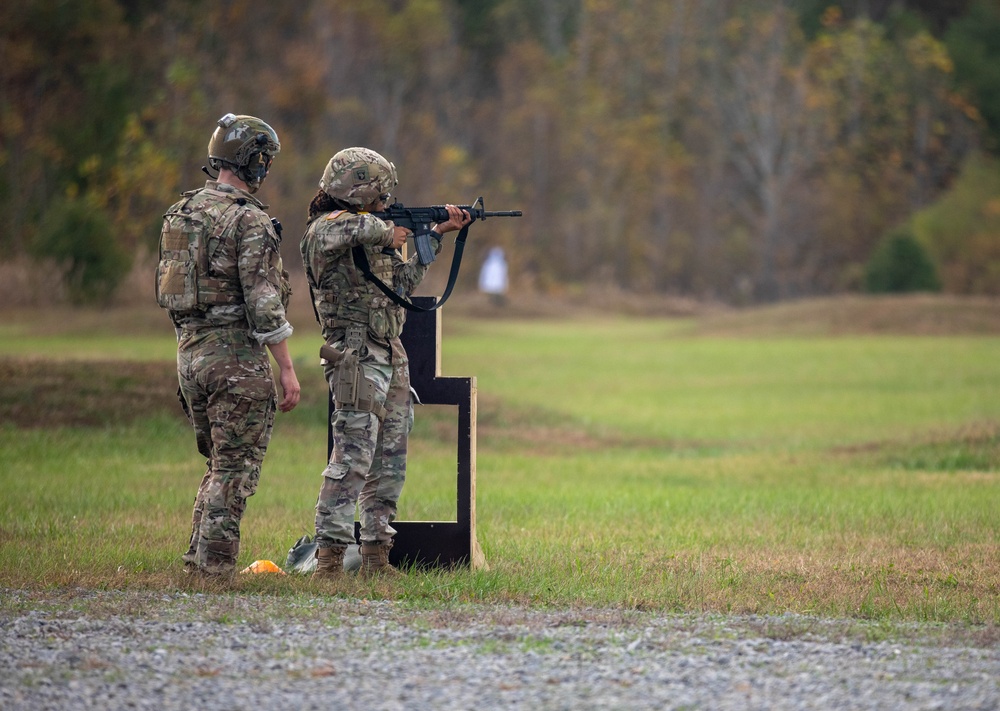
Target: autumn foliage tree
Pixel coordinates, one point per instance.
(726, 150)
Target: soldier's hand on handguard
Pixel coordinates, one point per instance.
(457, 220)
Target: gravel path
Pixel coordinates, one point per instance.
(143, 650)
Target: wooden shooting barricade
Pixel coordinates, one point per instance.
(437, 543)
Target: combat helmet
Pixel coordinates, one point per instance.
(246, 145)
(358, 176)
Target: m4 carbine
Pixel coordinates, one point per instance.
(419, 220)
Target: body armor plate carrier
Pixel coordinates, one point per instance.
(191, 229)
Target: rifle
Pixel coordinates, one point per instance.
(419, 220)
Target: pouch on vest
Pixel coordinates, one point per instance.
(182, 282)
(180, 253)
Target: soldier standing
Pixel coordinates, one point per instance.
(220, 277)
(364, 362)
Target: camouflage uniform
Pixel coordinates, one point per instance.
(224, 369)
(367, 466)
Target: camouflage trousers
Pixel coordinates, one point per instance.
(367, 466)
(228, 390)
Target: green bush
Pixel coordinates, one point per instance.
(899, 264)
(961, 227)
(77, 235)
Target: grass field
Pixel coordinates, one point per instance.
(643, 463)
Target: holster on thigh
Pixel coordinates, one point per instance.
(351, 389)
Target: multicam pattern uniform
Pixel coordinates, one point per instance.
(225, 372)
(367, 466)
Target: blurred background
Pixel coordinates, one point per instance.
(731, 151)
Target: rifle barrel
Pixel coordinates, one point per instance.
(438, 213)
(503, 213)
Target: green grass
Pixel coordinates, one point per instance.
(621, 462)
(644, 379)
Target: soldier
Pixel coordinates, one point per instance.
(220, 277)
(364, 362)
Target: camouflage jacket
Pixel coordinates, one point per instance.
(247, 250)
(340, 291)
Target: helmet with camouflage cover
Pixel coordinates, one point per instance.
(246, 145)
(358, 176)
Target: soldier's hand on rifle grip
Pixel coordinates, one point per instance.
(399, 235)
(457, 219)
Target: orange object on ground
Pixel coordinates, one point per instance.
(263, 566)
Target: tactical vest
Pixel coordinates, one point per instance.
(348, 297)
(191, 234)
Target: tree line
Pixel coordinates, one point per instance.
(735, 150)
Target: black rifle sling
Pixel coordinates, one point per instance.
(361, 262)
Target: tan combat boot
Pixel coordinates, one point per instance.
(330, 562)
(375, 560)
